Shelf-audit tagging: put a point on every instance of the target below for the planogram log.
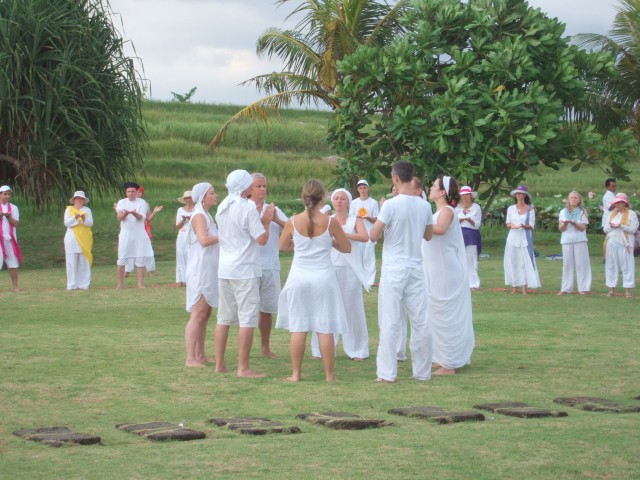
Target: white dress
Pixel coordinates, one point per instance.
(202, 264)
(519, 267)
(311, 298)
(449, 314)
(133, 241)
(181, 245)
(351, 279)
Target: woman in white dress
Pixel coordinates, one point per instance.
(470, 217)
(311, 300)
(351, 279)
(623, 223)
(202, 273)
(572, 222)
(520, 268)
(449, 312)
(183, 219)
(78, 242)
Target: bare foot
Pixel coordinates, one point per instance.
(514, 290)
(561, 293)
(119, 287)
(611, 294)
(250, 374)
(141, 286)
(126, 274)
(194, 363)
(330, 378)
(292, 379)
(357, 359)
(435, 365)
(221, 368)
(268, 354)
(474, 289)
(206, 359)
(382, 380)
(444, 371)
(16, 289)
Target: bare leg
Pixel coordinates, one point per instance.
(140, 277)
(297, 345)
(524, 289)
(120, 276)
(265, 323)
(627, 292)
(13, 273)
(195, 332)
(327, 350)
(245, 340)
(220, 341)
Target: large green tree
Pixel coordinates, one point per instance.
(484, 90)
(70, 103)
(327, 32)
(616, 98)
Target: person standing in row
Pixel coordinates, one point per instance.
(623, 223)
(573, 224)
(183, 224)
(310, 300)
(9, 220)
(201, 239)
(470, 217)
(520, 268)
(449, 312)
(133, 242)
(366, 208)
(78, 242)
(270, 262)
(609, 194)
(242, 232)
(405, 220)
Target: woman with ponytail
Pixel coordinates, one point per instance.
(311, 300)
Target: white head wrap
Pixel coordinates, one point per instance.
(237, 182)
(198, 192)
(346, 192)
(446, 181)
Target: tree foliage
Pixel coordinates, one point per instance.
(617, 100)
(483, 90)
(184, 98)
(327, 32)
(70, 105)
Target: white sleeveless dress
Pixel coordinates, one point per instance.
(449, 312)
(202, 264)
(311, 300)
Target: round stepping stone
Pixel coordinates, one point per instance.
(254, 425)
(57, 436)
(437, 414)
(342, 420)
(162, 431)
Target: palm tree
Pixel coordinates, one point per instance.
(617, 103)
(328, 31)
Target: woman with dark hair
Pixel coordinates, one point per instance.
(311, 300)
(520, 268)
(449, 312)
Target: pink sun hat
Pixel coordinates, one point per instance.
(466, 190)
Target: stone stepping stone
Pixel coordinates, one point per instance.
(437, 414)
(520, 410)
(254, 425)
(342, 420)
(57, 436)
(597, 404)
(162, 431)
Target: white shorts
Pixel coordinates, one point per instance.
(140, 262)
(269, 291)
(11, 260)
(239, 302)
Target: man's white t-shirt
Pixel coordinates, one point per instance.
(371, 209)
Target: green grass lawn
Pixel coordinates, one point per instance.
(90, 360)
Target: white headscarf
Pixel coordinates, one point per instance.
(446, 181)
(237, 182)
(199, 191)
(346, 192)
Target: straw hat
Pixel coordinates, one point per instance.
(79, 194)
(186, 194)
(466, 190)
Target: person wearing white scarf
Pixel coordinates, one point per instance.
(242, 232)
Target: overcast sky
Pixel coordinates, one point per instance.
(210, 44)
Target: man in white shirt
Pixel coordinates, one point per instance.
(241, 233)
(366, 208)
(609, 194)
(9, 220)
(406, 220)
(270, 257)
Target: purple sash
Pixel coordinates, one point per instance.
(529, 234)
(471, 236)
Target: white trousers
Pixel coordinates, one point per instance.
(368, 251)
(78, 271)
(619, 259)
(403, 287)
(402, 339)
(472, 266)
(575, 258)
